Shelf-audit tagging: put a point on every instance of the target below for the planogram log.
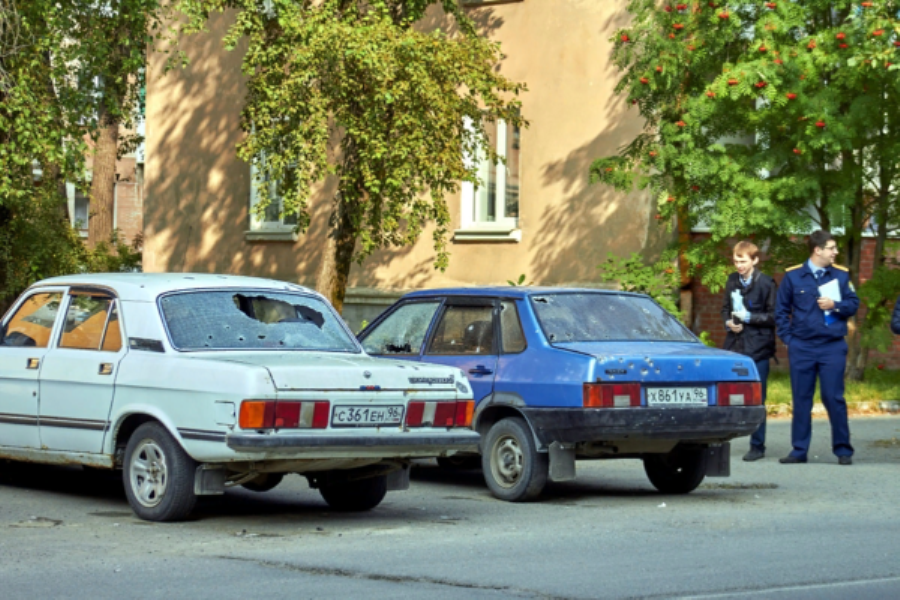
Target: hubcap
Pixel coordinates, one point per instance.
(148, 473)
(507, 461)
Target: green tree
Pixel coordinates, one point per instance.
(105, 51)
(356, 90)
(48, 51)
(37, 135)
(765, 120)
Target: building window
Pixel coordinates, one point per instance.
(80, 214)
(477, 3)
(271, 223)
(79, 208)
(490, 211)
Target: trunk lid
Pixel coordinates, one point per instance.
(664, 362)
(345, 372)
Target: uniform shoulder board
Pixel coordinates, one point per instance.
(794, 267)
(841, 267)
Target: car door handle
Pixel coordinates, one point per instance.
(105, 369)
(481, 370)
(33, 363)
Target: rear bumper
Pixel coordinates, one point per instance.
(711, 424)
(401, 444)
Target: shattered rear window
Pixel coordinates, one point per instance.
(586, 317)
(253, 320)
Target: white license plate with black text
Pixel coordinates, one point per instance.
(366, 416)
(677, 396)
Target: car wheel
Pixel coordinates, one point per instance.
(158, 475)
(263, 483)
(678, 472)
(513, 468)
(460, 462)
(355, 496)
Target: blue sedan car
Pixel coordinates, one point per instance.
(565, 374)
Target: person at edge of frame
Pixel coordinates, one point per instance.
(895, 318)
(751, 330)
(813, 327)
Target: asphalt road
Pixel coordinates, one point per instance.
(818, 530)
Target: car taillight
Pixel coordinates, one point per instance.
(740, 394)
(274, 414)
(611, 395)
(440, 413)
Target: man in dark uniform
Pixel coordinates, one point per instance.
(748, 310)
(895, 318)
(812, 322)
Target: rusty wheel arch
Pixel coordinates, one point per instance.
(124, 431)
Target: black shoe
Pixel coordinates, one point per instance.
(790, 459)
(754, 454)
(845, 460)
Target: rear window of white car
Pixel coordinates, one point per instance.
(253, 320)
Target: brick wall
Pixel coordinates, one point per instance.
(707, 315)
(129, 199)
(129, 207)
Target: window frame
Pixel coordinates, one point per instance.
(465, 301)
(71, 293)
(365, 333)
(480, 3)
(515, 305)
(267, 230)
(14, 309)
(472, 200)
(242, 290)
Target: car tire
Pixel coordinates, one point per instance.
(355, 496)
(460, 462)
(513, 468)
(158, 475)
(678, 472)
(263, 483)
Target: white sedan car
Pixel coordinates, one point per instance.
(194, 383)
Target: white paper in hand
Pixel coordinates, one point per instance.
(737, 302)
(832, 290)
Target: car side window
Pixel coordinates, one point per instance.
(464, 330)
(33, 322)
(87, 322)
(403, 331)
(512, 336)
(112, 339)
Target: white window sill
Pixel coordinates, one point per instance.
(488, 234)
(271, 235)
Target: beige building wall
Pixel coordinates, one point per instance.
(197, 191)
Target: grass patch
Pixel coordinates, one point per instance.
(877, 386)
(891, 443)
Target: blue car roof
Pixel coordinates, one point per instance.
(509, 291)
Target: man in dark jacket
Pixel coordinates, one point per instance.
(815, 301)
(749, 314)
(895, 318)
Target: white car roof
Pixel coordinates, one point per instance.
(148, 286)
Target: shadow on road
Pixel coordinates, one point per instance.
(555, 492)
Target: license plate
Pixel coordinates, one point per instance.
(366, 416)
(677, 396)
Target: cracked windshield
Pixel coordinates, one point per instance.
(606, 317)
(252, 320)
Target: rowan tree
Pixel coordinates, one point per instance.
(764, 120)
(406, 106)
